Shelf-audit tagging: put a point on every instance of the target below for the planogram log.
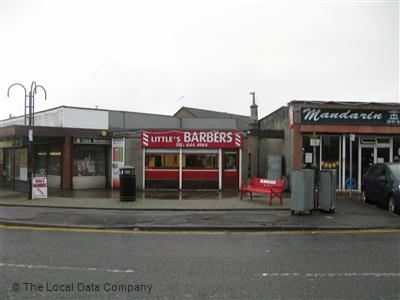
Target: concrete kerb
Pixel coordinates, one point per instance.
(151, 209)
(200, 228)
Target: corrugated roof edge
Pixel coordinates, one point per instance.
(211, 111)
(89, 108)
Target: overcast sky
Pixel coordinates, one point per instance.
(145, 55)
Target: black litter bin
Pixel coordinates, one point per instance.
(127, 184)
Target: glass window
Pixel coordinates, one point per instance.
(379, 171)
(395, 168)
(54, 162)
(162, 160)
(308, 152)
(2, 171)
(396, 149)
(40, 160)
(8, 170)
(200, 161)
(89, 161)
(330, 152)
(230, 161)
(21, 163)
(372, 170)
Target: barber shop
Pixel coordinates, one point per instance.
(191, 159)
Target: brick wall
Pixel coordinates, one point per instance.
(67, 164)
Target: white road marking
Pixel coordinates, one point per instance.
(63, 268)
(366, 274)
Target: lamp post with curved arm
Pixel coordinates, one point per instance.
(29, 119)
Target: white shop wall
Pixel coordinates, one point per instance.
(85, 118)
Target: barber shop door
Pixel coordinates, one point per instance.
(230, 170)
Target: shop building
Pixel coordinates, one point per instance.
(70, 146)
(68, 157)
(345, 136)
(78, 148)
(192, 159)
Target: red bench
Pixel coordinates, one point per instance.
(263, 186)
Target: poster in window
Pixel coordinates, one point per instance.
(118, 146)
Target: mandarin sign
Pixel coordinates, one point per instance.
(350, 116)
(192, 139)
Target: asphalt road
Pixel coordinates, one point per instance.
(52, 264)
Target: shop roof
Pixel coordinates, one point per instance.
(204, 113)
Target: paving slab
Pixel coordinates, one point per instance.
(218, 213)
(158, 200)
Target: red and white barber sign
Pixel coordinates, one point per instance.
(192, 139)
(39, 187)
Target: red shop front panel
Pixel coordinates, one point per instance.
(161, 179)
(200, 179)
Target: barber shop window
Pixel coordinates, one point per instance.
(89, 161)
(230, 160)
(200, 161)
(162, 160)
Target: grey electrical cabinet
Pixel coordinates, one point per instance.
(302, 198)
(274, 166)
(327, 190)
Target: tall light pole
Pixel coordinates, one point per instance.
(29, 119)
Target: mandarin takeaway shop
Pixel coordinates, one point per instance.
(192, 159)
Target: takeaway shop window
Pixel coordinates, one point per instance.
(330, 152)
(396, 149)
(54, 161)
(40, 160)
(162, 160)
(200, 161)
(21, 164)
(308, 152)
(89, 161)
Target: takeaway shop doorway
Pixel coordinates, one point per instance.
(372, 151)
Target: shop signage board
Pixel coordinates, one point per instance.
(10, 143)
(39, 187)
(350, 116)
(91, 141)
(30, 135)
(314, 142)
(192, 139)
(118, 160)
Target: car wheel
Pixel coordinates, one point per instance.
(364, 197)
(391, 205)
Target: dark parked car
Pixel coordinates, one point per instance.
(380, 186)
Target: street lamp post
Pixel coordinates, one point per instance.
(30, 121)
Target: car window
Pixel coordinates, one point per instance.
(379, 171)
(372, 170)
(388, 174)
(395, 170)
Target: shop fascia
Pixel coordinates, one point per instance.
(191, 139)
(91, 141)
(349, 116)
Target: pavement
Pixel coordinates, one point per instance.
(166, 210)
